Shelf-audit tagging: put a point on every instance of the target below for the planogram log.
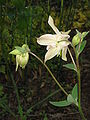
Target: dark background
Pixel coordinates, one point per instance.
(22, 21)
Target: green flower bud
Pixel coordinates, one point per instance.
(22, 60)
(22, 55)
(76, 39)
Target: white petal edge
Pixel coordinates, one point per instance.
(51, 23)
(17, 57)
(64, 52)
(63, 44)
(52, 52)
(66, 33)
(47, 39)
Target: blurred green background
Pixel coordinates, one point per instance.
(22, 21)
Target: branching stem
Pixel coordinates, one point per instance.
(72, 59)
(49, 72)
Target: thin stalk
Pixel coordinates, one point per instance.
(42, 101)
(79, 90)
(16, 90)
(61, 6)
(18, 99)
(79, 84)
(79, 96)
(81, 113)
(72, 59)
(79, 87)
(48, 7)
(61, 14)
(49, 72)
(79, 81)
(6, 107)
(77, 67)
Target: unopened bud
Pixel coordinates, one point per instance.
(75, 40)
(22, 60)
(79, 37)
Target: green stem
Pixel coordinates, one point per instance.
(49, 72)
(61, 14)
(16, 90)
(81, 113)
(18, 99)
(72, 59)
(77, 67)
(79, 89)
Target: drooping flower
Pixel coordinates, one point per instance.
(22, 56)
(56, 44)
(22, 60)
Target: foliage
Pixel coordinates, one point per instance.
(71, 99)
(22, 21)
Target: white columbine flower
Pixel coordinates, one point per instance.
(55, 43)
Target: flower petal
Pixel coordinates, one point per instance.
(51, 23)
(17, 59)
(51, 53)
(66, 33)
(65, 37)
(64, 52)
(16, 66)
(15, 52)
(47, 39)
(63, 44)
(50, 46)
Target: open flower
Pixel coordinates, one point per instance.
(56, 44)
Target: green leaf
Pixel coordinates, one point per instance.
(19, 3)
(20, 49)
(1, 90)
(25, 47)
(84, 34)
(15, 52)
(24, 117)
(20, 110)
(2, 69)
(45, 117)
(70, 99)
(60, 103)
(82, 46)
(75, 91)
(70, 66)
(76, 39)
